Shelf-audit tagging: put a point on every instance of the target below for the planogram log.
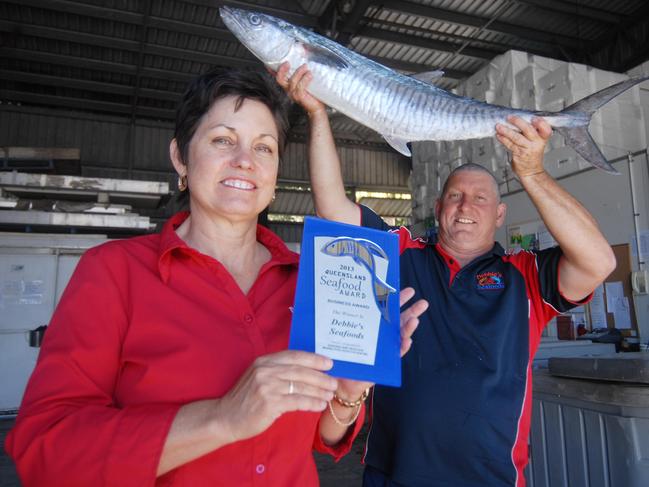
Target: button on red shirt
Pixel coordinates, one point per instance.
(146, 325)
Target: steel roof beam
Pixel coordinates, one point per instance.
(639, 16)
(135, 18)
(460, 39)
(576, 11)
(84, 104)
(91, 64)
(452, 17)
(126, 45)
(94, 86)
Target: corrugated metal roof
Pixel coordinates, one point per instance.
(292, 203)
(388, 207)
(134, 57)
(130, 60)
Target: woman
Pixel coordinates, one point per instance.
(165, 361)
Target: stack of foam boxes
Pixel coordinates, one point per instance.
(521, 80)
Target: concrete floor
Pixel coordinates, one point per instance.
(347, 472)
(8, 477)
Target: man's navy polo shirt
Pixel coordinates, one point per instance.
(462, 415)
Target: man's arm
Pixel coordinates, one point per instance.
(327, 185)
(587, 257)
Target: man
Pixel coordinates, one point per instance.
(462, 415)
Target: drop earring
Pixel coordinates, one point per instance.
(182, 183)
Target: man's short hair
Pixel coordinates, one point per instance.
(471, 166)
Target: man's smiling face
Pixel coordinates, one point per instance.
(469, 212)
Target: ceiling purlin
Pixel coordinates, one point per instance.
(327, 23)
(135, 18)
(413, 30)
(127, 45)
(453, 17)
(84, 104)
(87, 85)
(576, 11)
(89, 64)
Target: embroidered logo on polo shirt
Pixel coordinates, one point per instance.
(490, 280)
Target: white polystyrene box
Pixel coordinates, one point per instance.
(477, 85)
(561, 161)
(569, 82)
(503, 69)
(623, 129)
(525, 88)
(483, 151)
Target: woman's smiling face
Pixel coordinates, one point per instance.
(233, 159)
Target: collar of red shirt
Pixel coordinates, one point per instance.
(170, 242)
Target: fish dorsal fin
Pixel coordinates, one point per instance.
(398, 144)
(428, 76)
(325, 56)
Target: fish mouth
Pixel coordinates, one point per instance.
(249, 27)
(230, 17)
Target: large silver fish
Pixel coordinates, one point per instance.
(401, 108)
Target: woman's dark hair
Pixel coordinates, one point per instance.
(210, 87)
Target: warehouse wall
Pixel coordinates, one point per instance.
(608, 199)
(107, 151)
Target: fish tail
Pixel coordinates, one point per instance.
(582, 142)
(578, 136)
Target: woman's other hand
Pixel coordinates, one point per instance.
(409, 317)
(273, 385)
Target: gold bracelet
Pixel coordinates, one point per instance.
(350, 404)
(340, 422)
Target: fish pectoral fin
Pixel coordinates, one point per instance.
(398, 144)
(326, 57)
(428, 76)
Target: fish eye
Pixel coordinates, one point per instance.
(254, 19)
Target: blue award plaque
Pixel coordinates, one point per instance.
(347, 300)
